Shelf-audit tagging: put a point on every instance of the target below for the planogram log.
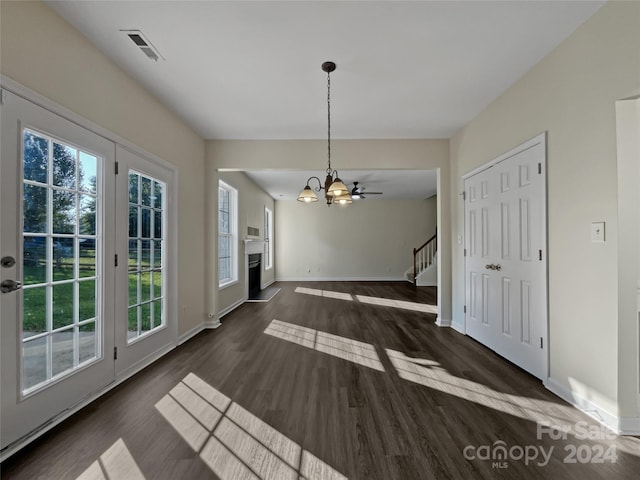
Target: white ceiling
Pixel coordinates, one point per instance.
(394, 184)
(251, 70)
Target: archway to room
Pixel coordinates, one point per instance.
(377, 233)
(305, 158)
(370, 240)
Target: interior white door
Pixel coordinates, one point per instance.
(146, 324)
(505, 263)
(57, 330)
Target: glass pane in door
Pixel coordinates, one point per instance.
(146, 271)
(61, 320)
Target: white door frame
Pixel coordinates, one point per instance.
(137, 354)
(538, 139)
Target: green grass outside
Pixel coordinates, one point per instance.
(34, 318)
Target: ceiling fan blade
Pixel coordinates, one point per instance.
(358, 192)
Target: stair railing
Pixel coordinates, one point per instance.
(423, 256)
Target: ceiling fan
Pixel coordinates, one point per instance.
(357, 192)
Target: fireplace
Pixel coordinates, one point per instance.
(254, 265)
(253, 252)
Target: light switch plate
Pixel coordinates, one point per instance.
(597, 232)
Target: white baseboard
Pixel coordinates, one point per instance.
(191, 333)
(443, 322)
(267, 284)
(215, 323)
(342, 279)
(145, 362)
(230, 308)
(427, 284)
(458, 327)
(629, 426)
(621, 426)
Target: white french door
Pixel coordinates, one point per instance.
(88, 290)
(56, 241)
(505, 262)
(145, 279)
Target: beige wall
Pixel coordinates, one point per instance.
(310, 155)
(571, 95)
(44, 53)
(370, 239)
(252, 201)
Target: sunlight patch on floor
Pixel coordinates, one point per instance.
(234, 443)
(430, 374)
(351, 350)
(284, 448)
(185, 424)
(387, 302)
(114, 463)
(292, 333)
(383, 302)
(324, 293)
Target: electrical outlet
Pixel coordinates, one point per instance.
(597, 232)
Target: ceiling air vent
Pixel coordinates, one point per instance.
(144, 44)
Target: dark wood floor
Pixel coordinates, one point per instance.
(363, 422)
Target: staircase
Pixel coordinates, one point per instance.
(424, 272)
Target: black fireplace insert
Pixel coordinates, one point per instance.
(255, 265)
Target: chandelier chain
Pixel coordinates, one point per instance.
(329, 171)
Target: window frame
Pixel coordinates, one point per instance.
(268, 238)
(232, 235)
(156, 299)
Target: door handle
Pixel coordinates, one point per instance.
(492, 266)
(10, 286)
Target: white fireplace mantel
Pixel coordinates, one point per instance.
(253, 246)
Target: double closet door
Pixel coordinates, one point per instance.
(84, 275)
(505, 262)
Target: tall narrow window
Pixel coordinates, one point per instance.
(146, 265)
(268, 239)
(227, 234)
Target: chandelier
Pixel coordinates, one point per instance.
(335, 190)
